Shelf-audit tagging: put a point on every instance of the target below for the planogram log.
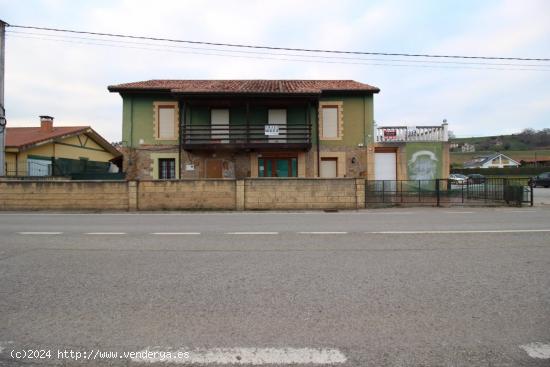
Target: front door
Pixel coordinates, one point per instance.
(277, 117)
(214, 168)
(220, 125)
(278, 167)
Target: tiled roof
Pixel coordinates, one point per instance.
(18, 137)
(246, 86)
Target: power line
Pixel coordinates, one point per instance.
(279, 48)
(274, 53)
(383, 62)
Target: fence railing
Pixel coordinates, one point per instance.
(244, 134)
(401, 134)
(448, 192)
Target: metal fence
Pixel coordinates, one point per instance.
(445, 192)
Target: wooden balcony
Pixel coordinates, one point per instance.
(404, 134)
(247, 137)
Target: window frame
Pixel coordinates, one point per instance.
(339, 105)
(171, 169)
(273, 160)
(157, 106)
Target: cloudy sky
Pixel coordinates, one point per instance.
(68, 77)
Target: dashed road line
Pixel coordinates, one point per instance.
(322, 232)
(175, 233)
(459, 212)
(40, 233)
(245, 356)
(537, 350)
(106, 233)
(257, 233)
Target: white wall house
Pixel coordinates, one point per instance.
(496, 160)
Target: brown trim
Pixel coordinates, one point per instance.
(278, 154)
(386, 149)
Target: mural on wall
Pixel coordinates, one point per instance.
(424, 161)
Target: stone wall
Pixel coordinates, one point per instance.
(208, 194)
(63, 195)
(300, 194)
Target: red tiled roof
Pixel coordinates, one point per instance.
(246, 86)
(23, 136)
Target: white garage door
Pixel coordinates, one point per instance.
(385, 166)
(329, 168)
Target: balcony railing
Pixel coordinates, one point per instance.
(403, 134)
(243, 136)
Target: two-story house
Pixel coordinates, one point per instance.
(253, 128)
(246, 128)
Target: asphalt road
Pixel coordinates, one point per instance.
(541, 196)
(395, 287)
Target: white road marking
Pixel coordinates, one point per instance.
(537, 350)
(105, 233)
(252, 233)
(245, 356)
(465, 231)
(174, 233)
(40, 232)
(322, 232)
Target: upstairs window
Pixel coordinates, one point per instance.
(331, 121)
(166, 117)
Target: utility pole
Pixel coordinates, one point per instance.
(2, 109)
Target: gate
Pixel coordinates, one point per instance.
(446, 192)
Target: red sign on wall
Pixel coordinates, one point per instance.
(390, 134)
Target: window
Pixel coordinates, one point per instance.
(166, 120)
(278, 167)
(167, 168)
(219, 119)
(331, 120)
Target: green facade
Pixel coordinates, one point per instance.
(138, 119)
(358, 121)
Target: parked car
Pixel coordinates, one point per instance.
(476, 178)
(458, 178)
(541, 180)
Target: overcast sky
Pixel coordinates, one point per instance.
(68, 78)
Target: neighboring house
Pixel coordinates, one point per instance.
(495, 160)
(411, 152)
(60, 150)
(468, 148)
(248, 128)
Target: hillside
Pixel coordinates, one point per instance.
(528, 139)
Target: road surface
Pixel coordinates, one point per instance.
(392, 287)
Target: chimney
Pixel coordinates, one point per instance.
(46, 123)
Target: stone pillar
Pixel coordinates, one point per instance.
(239, 195)
(132, 196)
(360, 193)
